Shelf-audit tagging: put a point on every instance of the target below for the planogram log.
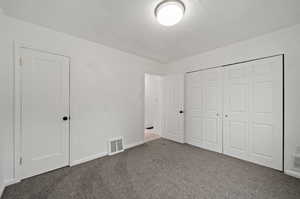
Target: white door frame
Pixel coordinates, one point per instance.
(144, 103)
(17, 106)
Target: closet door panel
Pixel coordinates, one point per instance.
(253, 117)
(266, 116)
(204, 109)
(212, 106)
(194, 109)
(236, 110)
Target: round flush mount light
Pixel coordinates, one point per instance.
(169, 12)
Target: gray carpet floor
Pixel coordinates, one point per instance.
(160, 169)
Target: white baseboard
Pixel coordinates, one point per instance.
(100, 155)
(1, 190)
(87, 159)
(11, 182)
(194, 142)
(292, 173)
(174, 137)
(7, 183)
(128, 146)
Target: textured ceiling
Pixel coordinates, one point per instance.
(129, 25)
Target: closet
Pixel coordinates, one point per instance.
(238, 110)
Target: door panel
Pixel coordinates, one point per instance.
(173, 103)
(211, 130)
(203, 109)
(262, 144)
(253, 112)
(266, 113)
(250, 103)
(45, 100)
(212, 109)
(194, 109)
(236, 110)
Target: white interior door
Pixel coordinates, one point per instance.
(44, 102)
(253, 111)
(204, 109)
(173, 97)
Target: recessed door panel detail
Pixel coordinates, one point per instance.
(211, 130)
(211, 98)
(237, 97)
(238, 136)
(263, 97)
(262, 144)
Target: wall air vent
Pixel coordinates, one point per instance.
(115, 146)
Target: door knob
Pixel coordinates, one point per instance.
(65, 118)
(226, 115)
(181, 111)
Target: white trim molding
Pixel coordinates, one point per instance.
(1, 190)
(128, 146)
(292, 173)
(174, 137)
(87, 159)
(7, 183)
(100, 155)
(11, 182)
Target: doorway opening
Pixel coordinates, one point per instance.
(153, 107)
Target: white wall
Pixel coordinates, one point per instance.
(285, 41)
(153, 102)
(107, 90)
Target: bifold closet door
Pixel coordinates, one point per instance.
(204, 109)
(253, 111)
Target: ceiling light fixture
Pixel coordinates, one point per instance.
(169, 12)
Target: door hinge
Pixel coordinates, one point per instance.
(21, 161)
(20, 61)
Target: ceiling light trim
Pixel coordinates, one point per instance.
(168, 1)
(169, 12)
